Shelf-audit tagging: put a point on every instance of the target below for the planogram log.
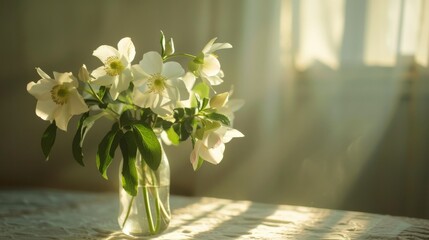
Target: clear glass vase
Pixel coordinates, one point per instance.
(147, 213)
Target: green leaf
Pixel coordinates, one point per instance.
(147, 116)
(172, 135)
(48, 139)
(204, 103)
(162, 42)
(85, 124)
(78, 140)
(199, 59)
(126, 119)
(199, 134)
(200, 163)
(219, 117)
(179, 113)
(190, 111)
(169, 49)
(202, 90)
(181, 130)
(148, 145)
(211, 125)
(90, 120)
(102, 92)
(187, 125)
(129, 172)
(166, 124)
(107, 148)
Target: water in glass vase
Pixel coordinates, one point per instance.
(148, 212)
(145, 214)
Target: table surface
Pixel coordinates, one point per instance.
(50, 214)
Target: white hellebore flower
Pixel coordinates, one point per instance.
(207, 66)
(116, 72)
(58, 98)
(212, 145)
(156, 84)
(226, 106)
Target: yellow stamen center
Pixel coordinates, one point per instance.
(156, 83)
(59, 94)
(113, 66)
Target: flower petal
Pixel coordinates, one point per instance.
(211, 65)
(42, 73)
(127, 49)
(76, 103)
(161, 105)
(142, 99)
(181, 89)
(99, 72)
(114, 88)
(120, 84)
(219, 100)
(151, 63)
(230, 134)
(234, 104)
(189, 80)
(140, 77)
(172, 70)
(212, 155)
(172, 93)
(66, 77)
(41, 89)
(105, 80)
(45, 109)
(162, 111)
(62, 117)
(84, 74)
(103, 52)
(212, 140)
(219, 46)
(208, 46)
(214, 80)
(195, 155)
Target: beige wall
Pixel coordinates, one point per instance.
(354, 137)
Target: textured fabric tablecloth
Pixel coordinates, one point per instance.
(50, 214)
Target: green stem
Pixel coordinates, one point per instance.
(179, 55)
(115, 114)
(148, 212)
(157, 205)
(128, 211)
(95, 94)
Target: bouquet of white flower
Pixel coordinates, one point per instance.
(151, 99)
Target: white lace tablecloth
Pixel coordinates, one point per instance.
(49, 214)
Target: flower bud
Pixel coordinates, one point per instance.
(84, 74)
(193, 67)
(169, 49)
(219, 100)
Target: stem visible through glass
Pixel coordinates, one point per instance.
(153, 229)
(149, 181)
(148, 211)
(128, 212)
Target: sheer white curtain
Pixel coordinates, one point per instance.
(327, 85)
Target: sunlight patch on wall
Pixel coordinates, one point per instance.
(320, 32)
(422, 55)
(382, 29)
